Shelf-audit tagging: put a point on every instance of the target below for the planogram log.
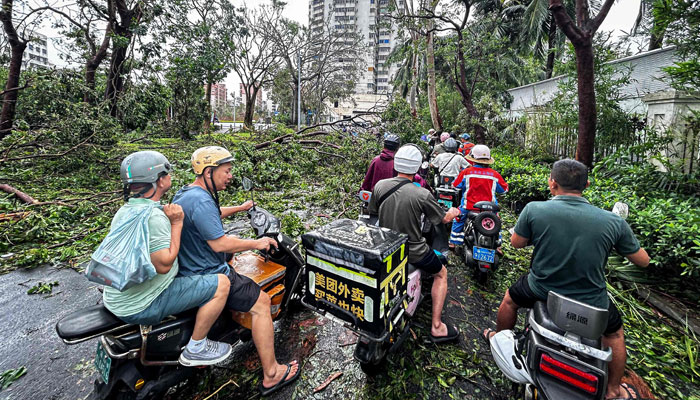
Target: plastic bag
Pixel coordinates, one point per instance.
(123, 260)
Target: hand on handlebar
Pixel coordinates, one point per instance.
(247, 205)
(264, 243)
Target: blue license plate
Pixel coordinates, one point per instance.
(482, 254)
(103, 362)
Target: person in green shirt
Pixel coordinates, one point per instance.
(146, 178)
(572, 241)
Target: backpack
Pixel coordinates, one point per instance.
(123, 259)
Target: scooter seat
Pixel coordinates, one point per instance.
(542, 317)
(87, 323)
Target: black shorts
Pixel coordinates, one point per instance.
(524, 297)
(430, 263)
(243, 294)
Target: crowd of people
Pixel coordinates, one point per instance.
(188, 244)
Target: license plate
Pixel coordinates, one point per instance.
(447, 203)
(103, 362)
(482, 254)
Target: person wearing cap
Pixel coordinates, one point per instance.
(382, 166)
(450, 163)
(204, 248)
(146, 178)
(479, 182)
(440, 148)
(401, 206)
(466, 146)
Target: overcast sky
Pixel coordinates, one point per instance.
(621, 18)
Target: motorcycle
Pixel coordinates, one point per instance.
(481, 239)
(141, 362)
(559, 354)
(446, 194)
(563, 353)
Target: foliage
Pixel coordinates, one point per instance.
(42, 288)
(11, 375)
(682, 21)
(398, 119)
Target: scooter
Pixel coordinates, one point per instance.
(365, 196)
(559, 354)
(446, 194)
(141, 362)
(481, 239)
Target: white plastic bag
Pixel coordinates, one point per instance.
(122, 260)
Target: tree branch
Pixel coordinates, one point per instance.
(601, 15)
(565, 22)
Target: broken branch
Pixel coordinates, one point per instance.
(18, 193)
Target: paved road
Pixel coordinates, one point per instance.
(28, 336)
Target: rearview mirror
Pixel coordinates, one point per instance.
(247, 184)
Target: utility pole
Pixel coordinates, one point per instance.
(299, 92)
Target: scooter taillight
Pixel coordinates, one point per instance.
(569, 374)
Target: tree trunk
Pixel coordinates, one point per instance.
(656, 39)
(586, 103)
(250, 106)
(9, 101)
(115, 80)
(92, 64)
(413, 93)
(206, 126)
(465, 92)
(432, 96)
(551, 51)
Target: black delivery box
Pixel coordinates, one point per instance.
(357, 272)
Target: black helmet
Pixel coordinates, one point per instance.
(451, 145)
(391, 141)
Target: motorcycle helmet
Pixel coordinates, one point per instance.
(210, 156)
(508, 358)
(465, 136)
(143, 167)
(451, 145)
(408, 159)
(444, 136)
(391, 142)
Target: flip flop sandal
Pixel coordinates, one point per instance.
(452, 334)
(486, 336)
(282, 383)
(632, 392)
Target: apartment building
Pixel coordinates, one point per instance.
(370, 20)
(36, 53)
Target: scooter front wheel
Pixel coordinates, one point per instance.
(371, 369)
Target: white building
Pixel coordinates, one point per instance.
(370, 20)
(36, 54)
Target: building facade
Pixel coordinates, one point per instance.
(370, 20)
(37, 53)
(219, 96)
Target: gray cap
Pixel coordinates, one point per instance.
(451, 145)
(408, 159)
(143, 167)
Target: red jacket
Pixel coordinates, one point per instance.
(479, 184)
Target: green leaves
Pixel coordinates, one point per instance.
(42, 288)
(11, 375)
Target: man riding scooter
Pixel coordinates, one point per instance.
(572, 240)
(146, 178)
(401, 206)
(204, 248)
(382, 166)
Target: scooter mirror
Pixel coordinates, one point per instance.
(247, 184)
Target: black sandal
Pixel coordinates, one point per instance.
(452, 334)
(282, 383)
(486, 335)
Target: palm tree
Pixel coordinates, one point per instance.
(646, 21)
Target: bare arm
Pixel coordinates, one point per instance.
(518, 241)
(233, 244)
(229, 211)
(640, 258)
(451, 214)
(163, 259)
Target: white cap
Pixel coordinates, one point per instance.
(480, 154)
(408, 159)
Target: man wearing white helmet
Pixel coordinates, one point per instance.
(401, 206)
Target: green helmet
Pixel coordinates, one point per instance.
(144, 167)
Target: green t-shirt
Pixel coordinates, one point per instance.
(573, 240)
(139, 297)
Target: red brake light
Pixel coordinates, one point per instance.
(446, 196)
(567, 373)
(487, 266)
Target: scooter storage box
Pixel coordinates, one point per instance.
(356, 272)
(267, 274)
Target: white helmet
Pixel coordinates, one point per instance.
(508, 359)
(408, 159)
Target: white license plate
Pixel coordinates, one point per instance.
(103, 362)
(482, 254)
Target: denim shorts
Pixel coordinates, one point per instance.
(184, 293)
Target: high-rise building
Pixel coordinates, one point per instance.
(218, 96)
(370, 20)
(36, 54)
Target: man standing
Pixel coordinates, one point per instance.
(204, 248)
(146, 178)
(382, 166)
(572, 240)
(401, 206)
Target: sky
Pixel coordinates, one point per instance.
(620, 18)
